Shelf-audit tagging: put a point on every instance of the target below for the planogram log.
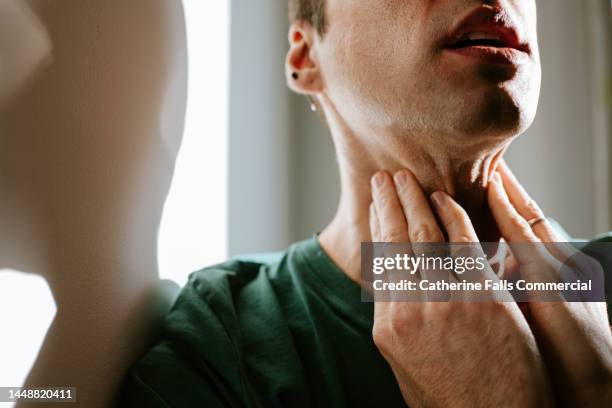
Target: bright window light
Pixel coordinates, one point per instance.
(193, 231)
(27, 310)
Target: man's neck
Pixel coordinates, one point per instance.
(462, 170)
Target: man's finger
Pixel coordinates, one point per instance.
(389, 212)
(527, 207)
(535, 260)
(513, 227)
(462, 237)
(422, 224)
(530, 210)
(374, 224)
(454, 218)
(423, 229)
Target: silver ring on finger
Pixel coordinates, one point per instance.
(535, 221)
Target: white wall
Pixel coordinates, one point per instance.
(193, 230)
(260, 163)
(555, 159)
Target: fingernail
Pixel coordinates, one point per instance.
(400, 178)
(378, 180)
(437, 199)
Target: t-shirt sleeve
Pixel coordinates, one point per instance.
(197, 361)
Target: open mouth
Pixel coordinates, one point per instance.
(479, 39)
(488, 34)
(491, 36)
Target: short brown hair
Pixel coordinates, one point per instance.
(311, 11)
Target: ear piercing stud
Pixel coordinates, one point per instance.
(313, 105)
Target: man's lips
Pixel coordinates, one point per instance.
(488, 34)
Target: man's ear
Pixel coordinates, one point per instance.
(301, 66)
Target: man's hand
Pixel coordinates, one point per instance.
(450, 354)
(574, 337)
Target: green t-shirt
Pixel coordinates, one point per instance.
(287, 333)
(290, 332)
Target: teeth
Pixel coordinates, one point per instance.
(480, 36)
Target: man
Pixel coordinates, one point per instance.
(431, 92)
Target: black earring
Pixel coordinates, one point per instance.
(294, 75)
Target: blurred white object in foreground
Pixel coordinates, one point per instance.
(25, 47)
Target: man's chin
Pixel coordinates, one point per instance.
(496, 117)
